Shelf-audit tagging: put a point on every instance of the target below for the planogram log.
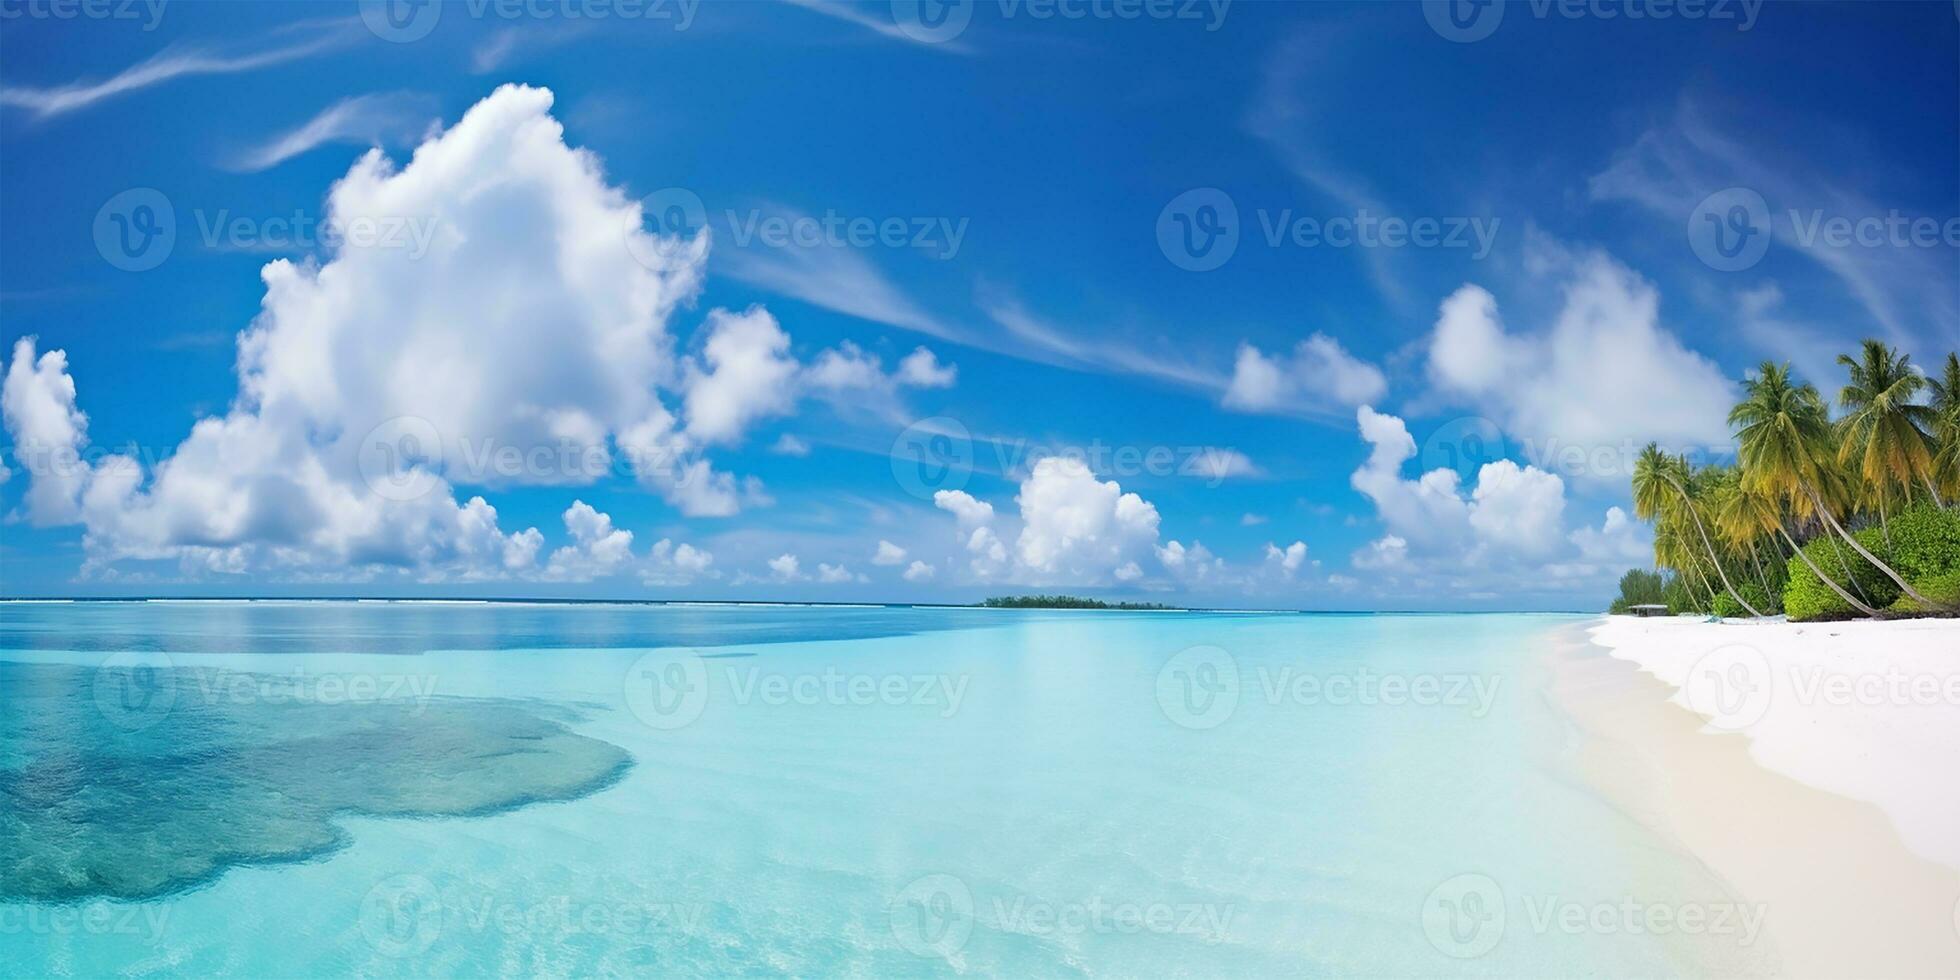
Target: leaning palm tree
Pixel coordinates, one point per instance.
(1659, 487)
(1672, 551)
(1946, 426)
(1885, 436)
(1785, 437)
(1724, 490)
(1747, 514)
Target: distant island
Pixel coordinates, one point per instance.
(1067, 602)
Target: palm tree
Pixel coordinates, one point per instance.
(1658, 487)
(1785, 437)
(1725, 500)
(1885, 436)
(1946, 426)
(1672, 551)
(1748, 514)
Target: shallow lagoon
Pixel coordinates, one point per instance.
(812, 791)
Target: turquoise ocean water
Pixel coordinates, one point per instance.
(323, 789)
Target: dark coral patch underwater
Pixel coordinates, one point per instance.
(96, 806)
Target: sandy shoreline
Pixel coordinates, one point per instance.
(1767, 753)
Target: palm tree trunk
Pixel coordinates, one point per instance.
(1818, 502)
(1934, 491)
(1705, 543)
(1826, 579)
(1762, 577)
(1710, 589)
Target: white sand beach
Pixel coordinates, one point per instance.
(1810, 765)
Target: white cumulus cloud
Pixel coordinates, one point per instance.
(1606, 374)
(525, 343)
(1321, 374)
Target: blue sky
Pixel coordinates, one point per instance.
(1252, 274)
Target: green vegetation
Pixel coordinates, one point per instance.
(1639, 587)
(1064, 602)
(1821, 519)
(1807, 597)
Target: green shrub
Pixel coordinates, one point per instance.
(1804, 597)
(1941, 587)
(1680, 598)
(1728, 608)
(1639, 587)
(1925, 543)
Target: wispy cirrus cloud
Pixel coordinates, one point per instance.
(369, 119)
(1909, 292)
(852, 13)
(286, 44)
(1045, 343)
(1284, 118)
(833, 276)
